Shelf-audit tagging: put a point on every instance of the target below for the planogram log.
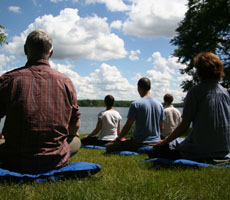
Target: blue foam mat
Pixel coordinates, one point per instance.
(93, 146)
(125, 153)
(145, 149)
(164, 161)
(72, 170)
(141, 150)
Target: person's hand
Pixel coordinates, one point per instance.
(160, 143)
(84, 137)
(117, 139)
(77, 134)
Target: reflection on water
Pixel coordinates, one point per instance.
(89, 117)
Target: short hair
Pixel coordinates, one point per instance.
(109, 101)
(168, 98)
(144, 83)
(209, 66)
(39, 44)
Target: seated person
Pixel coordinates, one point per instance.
(41, 112)
(172, 116)
(207, 107)
(148, 115)
(108, 125)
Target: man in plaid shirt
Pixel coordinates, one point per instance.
(42, 115)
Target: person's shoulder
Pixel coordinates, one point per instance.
(116, 112)
(155, 102)
(57, 73)
(101, 113)
(14, 72)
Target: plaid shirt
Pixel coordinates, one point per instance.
(39, 103)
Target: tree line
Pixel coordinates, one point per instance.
(100, 103)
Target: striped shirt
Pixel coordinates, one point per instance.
(39, 103)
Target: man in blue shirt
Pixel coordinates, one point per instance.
(148, 115)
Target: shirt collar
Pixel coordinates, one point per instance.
(168, 106)
(38, 62)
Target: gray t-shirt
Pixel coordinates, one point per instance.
(147, 113)
(207, 106)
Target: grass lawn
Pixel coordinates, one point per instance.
(127, 177)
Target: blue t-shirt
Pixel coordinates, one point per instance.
(147, 114)
(207, 106)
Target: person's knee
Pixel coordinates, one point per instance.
(74, 145)
(110, 147)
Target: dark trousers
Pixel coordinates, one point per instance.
(164, 152)
(93, 141)
(127, 145)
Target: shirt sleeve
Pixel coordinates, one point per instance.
(162, 114)
(190, 106)
(132, 112)
(100, 115)
(4, 81)
(75, 108)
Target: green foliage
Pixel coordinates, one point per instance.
(100, 103)
(206, 27)
(2, 35)
(127, 177)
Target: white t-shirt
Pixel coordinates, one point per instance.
(110, 119)
(172, 120)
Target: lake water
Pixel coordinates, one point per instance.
(89, 117)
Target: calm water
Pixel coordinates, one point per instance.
(89, 117)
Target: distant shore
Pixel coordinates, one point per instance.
(119, 103)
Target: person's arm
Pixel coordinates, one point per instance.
(74, 127)
(161, 126)
(125, 129)
(119, 128)
(96, 130)
(183, 126)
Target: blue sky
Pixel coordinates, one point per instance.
(104, 46)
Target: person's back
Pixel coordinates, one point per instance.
(207, 106)
(40, 106)
(209, 136)
(172, 116)
(110, 121)
(147, 114)
(108, 125)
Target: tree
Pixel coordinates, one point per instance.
(206, 27)
(2, 35)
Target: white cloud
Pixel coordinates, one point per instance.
(104, 80)
(107, 79)
(4, 61)
(165, 77)
(75, 37)
(112, 5)
(134, 55)
(155, 18)
(14, 9)
(116, 24)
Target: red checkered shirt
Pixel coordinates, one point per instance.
(39, 103)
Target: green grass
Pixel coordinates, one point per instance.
(127, 177)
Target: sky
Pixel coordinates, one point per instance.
(103, 46)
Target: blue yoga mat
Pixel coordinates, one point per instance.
(72, 170)
(141, 150)
(125, 153)
(93, 146)
(164, 161)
